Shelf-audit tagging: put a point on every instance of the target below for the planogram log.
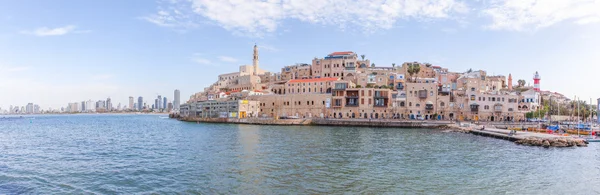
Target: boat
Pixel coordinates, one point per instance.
(592, 139)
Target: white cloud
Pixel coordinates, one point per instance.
(201, 61)
(227, 59)
(256, 17)
(45, 31)
(519, 15)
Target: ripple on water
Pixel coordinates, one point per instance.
(110, 154)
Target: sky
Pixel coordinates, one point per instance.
(61, 51)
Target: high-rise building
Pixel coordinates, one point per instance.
(156, 103)
(109, 106)
(159, 103)
(170, 107)
(90, 106)
(176, 99)
(131, 103)
(29, 108)
(83, 106)
(36, 109)
(164, 103)
(140, 103)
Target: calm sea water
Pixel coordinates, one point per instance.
(126, 154)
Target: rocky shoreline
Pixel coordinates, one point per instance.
(552, 142)
(531, 139)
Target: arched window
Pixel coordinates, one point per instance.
(402, 104)
(442, 104)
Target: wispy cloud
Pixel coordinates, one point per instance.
(227, 59)
(201, 61)
(241, 17)
(45, 31)
(18, 69)
(526, 15)
(102, 76)
(268, 48)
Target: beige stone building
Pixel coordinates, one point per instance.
(303, 86)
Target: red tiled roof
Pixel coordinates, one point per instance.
(341, 53)
(436, 67)
(312, 80)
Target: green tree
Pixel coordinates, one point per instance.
(358, 86)
(372, 65)
(413, 69)
(521, 83)
(393, 65)
(363, 57)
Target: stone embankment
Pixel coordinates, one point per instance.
(552, 142)
(523, 137)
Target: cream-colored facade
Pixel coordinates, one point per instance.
(342, 85)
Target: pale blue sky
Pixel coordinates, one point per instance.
(55, 52)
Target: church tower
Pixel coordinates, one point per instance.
(510, 85)
(255, 60)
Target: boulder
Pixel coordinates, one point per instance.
(546, 144)
(558, 144)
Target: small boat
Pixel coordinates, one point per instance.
(592, 140)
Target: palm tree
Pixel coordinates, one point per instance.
(372, 65)
(363, 57)
(394, 65)
(470, 70)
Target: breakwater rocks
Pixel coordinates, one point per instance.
(552, 142)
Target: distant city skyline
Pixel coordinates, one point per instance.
(74, 51)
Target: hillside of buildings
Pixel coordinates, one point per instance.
(346, 85)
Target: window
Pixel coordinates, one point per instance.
(369, 101)
(369, 94)
(473, 89)
(402, 104)
(418, 105)
(410, 104)
(473, 97)
(431, 93)
(362, 101)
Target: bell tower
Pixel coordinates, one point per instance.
(255, 60)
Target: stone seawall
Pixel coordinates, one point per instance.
(325, 122)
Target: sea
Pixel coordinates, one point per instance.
(152, 154)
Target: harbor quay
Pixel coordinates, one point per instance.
(506, 131)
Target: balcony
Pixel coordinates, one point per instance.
(474, 107)
(429, 106)
(352, 102)
(351, 94)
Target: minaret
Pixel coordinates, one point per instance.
(255, 60)
(510, 86)
(536, 81)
